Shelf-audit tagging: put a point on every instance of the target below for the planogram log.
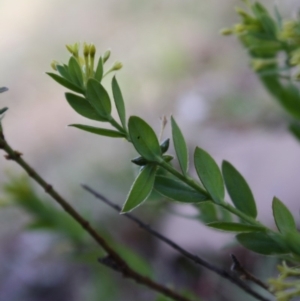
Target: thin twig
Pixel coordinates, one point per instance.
(187, 254)
(119, 264)
(243, 273)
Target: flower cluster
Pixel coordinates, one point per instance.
(84, 66)
(266, 37)
(287, 285)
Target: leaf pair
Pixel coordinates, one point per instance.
(146, 143)
(71, 76)
(274, 243)
(286, 225)
(97, 106)
(212, 179)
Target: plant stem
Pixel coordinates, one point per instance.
(192, 183)
(119, 264)
(116, 125)
(242, 215)
(188, 180)
(196, 259)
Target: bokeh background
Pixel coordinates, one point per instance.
(175, 62)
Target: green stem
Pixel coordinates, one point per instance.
(192, 183)
(188, 180)
(117, 263)
(116, 125)
(242, 215)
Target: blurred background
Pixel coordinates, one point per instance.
(175, 62)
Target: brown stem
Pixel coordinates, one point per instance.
(196, 259)
(119, 263)
(243, 273)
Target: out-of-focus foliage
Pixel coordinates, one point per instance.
(274, 47)
(44, 216)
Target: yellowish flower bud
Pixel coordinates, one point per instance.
(260, 64)
(76, 50)
(70, 48)
(73, 49)
(239, 28)
(117, 66)
(54, 64)
(226, 31)
(106, 55)
(86, 49)
(92, 50)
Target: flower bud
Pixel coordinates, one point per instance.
(226, 31)
(117, 66)
(86, 50)
(168, 158)
(54, 65)
(70, 48)
(246, 18)
(92, 50)
(106, 55)
(165, 145)
(239, 28)
(76, 50)
(260, 64)
(140, 161)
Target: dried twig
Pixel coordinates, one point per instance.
(187, 254)
(244, 274)
(115, 261)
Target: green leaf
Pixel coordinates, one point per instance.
(83, 107)
(209, 174)
(162, 298)
(180, 146)
(292, 239)
(99, 131)
(140, 161)
(119, 102)
(225, 215)
(294, 128)
(98, 98)
(99, 70)
(278, 17)
(64, 72)
(168, 158)
(208, 211)
(141, 188)
(3, 110)
(22, 194)
(238, 189)
(144, 139)
(283, 217)
(67, 84)
(263, 16)
(164, 146)
(177, 190)
(260, 243)
(234, 227)
(288, 96)
(75, 72)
